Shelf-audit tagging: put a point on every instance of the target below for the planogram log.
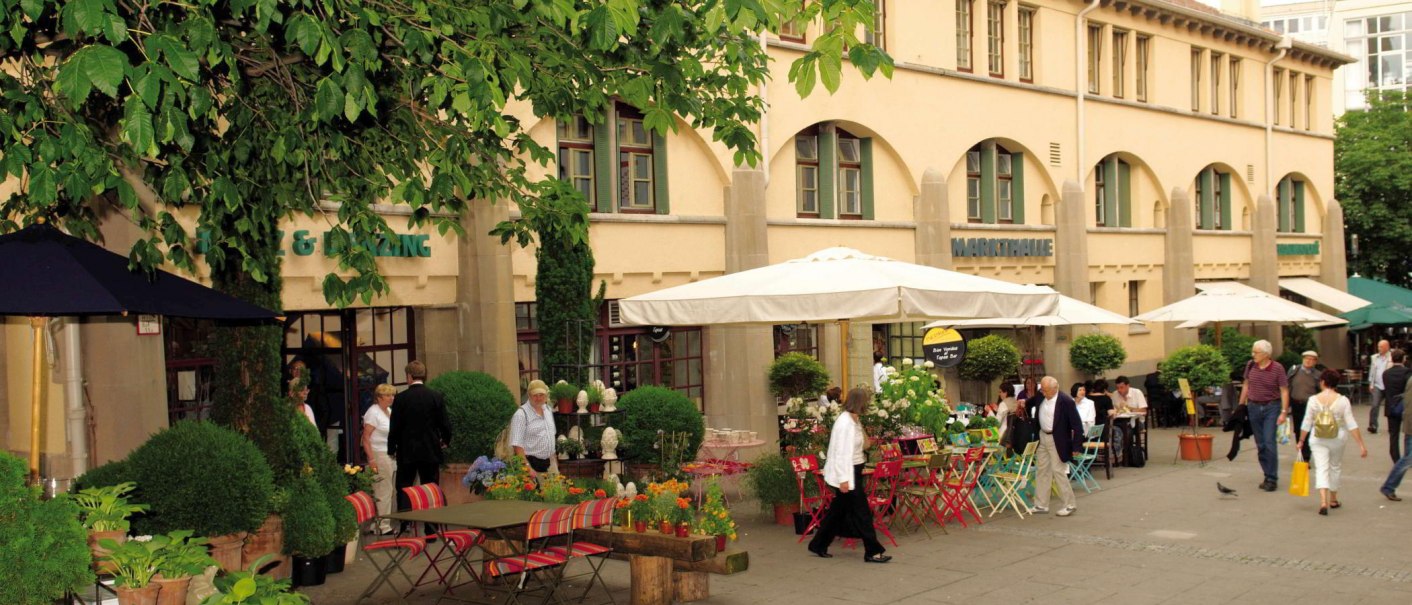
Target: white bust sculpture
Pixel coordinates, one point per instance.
(610, 443)
(583, 402)
(561, 441)
(610, 400)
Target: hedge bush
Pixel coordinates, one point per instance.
(43, 546)
(479, 407)
(988, 358)
(106, 475)
(309, 529)
(1202, 365)
(772, 479)
(202, 477)
(649, 409)
(798, 375)
(1097, 352)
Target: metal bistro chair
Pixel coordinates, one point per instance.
(923, 498)
(882, 487)
(1011, 483)
(453, 542)
(537, 563)
(806, 473)
(385, 555)
(1080, 469)
(590, 514)
(960, 482)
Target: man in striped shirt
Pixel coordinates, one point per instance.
(1266, 386)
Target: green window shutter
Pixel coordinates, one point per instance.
(660, 196)
(1299, 206)
(1281, 202)
(1017, 186)
(1226, 201)
(988, 184)
(1110, 184)
(603, 176)
(1207, 193)
(865, 180)
(828, 172)
(1125, 195)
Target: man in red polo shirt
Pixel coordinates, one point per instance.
(1266, 397)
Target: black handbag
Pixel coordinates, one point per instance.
(1020, 430)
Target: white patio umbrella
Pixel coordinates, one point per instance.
(836, 284)
(1220, 306)
(1070, 312)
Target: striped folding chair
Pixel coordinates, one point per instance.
(1080, 469)
(385, 555)
(537, 561)
(593, 513)
(454, 543)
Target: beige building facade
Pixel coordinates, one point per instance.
(1118, 151)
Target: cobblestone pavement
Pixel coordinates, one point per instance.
(1159, 534)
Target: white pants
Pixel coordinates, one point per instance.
(1328, 461)
(1048, 467)
(383, 488)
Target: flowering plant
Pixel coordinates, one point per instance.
(360, 479)
(482, 473)
(909, 396)
(715, 518)
(553, 489)
(512, 483)
(640, 508)
(807, 425)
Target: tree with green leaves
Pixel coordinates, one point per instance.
(1373, 182)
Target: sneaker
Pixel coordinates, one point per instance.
(1066, 511)
(1039, 510)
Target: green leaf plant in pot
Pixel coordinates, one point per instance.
(105, 513)
(180, 557)
(252, 587)
(563, 394)
(773, 481)
(133, 564)
(648, 413)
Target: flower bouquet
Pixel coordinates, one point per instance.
(909, 396)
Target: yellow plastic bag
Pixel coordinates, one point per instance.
(1299, 479)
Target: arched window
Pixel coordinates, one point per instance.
(995, 184)
(1112, 193)
(1289, 205)
(1213, 199)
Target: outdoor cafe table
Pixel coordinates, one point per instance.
(490, 516)
(1134, 428)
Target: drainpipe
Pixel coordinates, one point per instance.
(765, 114)
(1283, 46)
(1081, 87)
(75, 413)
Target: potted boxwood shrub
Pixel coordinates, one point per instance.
(1203, 366)
(309, 532)
(30, 527)
(649, 411)
(563, 394)
(988, 358)
(479, 407)
(797, 375)
(105, 513)
(206, 478)
(1093, 354)
(772, 479)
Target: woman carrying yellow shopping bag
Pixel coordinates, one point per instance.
(1330, 417)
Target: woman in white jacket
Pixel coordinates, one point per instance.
(848, 514)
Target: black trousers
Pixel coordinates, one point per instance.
(412, 473)
(540, 465)
(1297, 410)
(1394, 445)
(849, 516)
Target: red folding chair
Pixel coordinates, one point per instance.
(385, 555)
(882, 487)
(537, 563)
(890, 451)
(593, 513)
(960, 482)
(806, 471)
(454, 543)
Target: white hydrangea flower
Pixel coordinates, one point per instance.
(929, 364)
(882, 413)
(906, 361)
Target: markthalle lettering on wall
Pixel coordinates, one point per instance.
(1001, 246)
(402, 245)
(1309, 249)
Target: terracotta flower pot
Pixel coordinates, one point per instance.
(173, 590)
(99, 552)
(147, 595)
(784, 514)
(683, 530)
(226, 550)
(565, 406)
(665, 527)
(1195, 447)
(640, 526)
(721, 543)
(268, 540)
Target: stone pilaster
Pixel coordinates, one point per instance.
(1265, 264)
(1333, 272)
(933, 217)
(1070, 274)
(1179, 268)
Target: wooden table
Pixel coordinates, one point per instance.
(667, 568)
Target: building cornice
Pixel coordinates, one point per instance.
(1226, 27)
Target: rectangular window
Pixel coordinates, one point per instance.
(1218, 60)
(1279, 87)
(1198, 191)
(1143, 50)
(973, 186)
(576, 156)
(963, 35)
(1120, 63)
(1095, 56)
(1134, 288)
(995, 37)
(1027, 44)
(1308, 102)
(1004, 187)
(635, 191)
(792, 31)
(850, 178)
(1100, 196)
(806, 158)
(877, 34)
(1218, 198)
(1293, 98)
(1235, 86)
(1196, 79)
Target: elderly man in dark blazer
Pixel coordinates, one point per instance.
(419, 429)
(1060, 431)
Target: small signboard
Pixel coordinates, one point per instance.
(1187, 395)
(149, 325)
(944, 346)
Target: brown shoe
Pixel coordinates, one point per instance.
(1392, 496)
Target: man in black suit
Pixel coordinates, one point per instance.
(1060, 431)
(1395, 387)
(419, 431)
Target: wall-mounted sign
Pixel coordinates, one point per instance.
(1001, 246)
(1309, 249)
(944, 346)
(149, 325)
(402, 245)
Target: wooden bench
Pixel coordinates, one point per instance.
(667, 568)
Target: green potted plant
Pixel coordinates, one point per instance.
(252, 587)
(132, 564)
(572, 448)
(1235, 347)
(309, 532)
(1202, 366)
(797, 375)
(42, 549)
(649, 411)
(563, 394)
(1095, 353)
(664, 511)
(105, 511)
(180, 557)
(479, 407)
(715, 519)
(772, 479)
(595, 398)
(989, 358)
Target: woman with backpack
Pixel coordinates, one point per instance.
(1330, 417)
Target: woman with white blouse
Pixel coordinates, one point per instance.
(1328, 451)
(376, 422)
(848, 513)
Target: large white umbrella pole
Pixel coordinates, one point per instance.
(843, 325)
(38, 325)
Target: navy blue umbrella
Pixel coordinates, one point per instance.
(47, 273)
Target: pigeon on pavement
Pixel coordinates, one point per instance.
(1225, 491)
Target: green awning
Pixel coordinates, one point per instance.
(1391, 314)
(1379, 292)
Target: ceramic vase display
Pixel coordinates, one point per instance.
(610, 443)
(583, 402)
(610, 400)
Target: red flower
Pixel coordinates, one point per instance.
(683, 503)
(640, 497)
(529, 487)
(598, 493)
